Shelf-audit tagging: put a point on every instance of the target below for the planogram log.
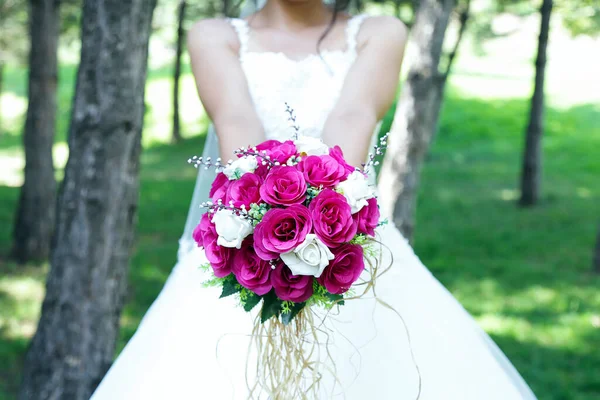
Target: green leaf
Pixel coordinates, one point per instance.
(286, 318)
(230, 286)
(335, 297)
(252, 300)
(271, 306)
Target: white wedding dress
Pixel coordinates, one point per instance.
(193, 345)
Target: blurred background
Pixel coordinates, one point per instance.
(507, 204)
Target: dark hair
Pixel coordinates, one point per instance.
(338, 5)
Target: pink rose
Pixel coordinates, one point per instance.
(268, 145)
(261, 171)
(290, 287)
(202, 228)
(344, 269)
(322, 170)
(278, 151)
(332, 218)
(218, 189)
(252, 272)
(219, 257)
(283, 186)
(281, 230)
(338, 155)
(244, 190)
(367, 218)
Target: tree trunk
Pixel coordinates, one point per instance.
(416, 115)
(463, 13)
(596, 266)
(226, 8)
(97, 206)
(177, 72)
(531, 174)
(34, 219)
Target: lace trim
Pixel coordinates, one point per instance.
(243, 32)
(352, 30)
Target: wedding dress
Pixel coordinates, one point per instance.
(193, 345)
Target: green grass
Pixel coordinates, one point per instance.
(524, 274)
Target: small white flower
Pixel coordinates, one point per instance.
(308, 258)
(311, 146)
(239, 167)
(232, 229)
(356, 190)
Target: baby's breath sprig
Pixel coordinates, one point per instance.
(378, 150)
(370, 250)
(292, 119)
(293, 160)
(207, 163)
(265, 159)
(240, 212)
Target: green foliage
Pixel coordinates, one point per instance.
(322, 298)
(70, 18)
(257, 212)
(335, 299)
(271, 307)
(581, 17)
(360, 239)
(289, 310)
(14, 31)
(165, 20)
(14, 28)
(230, 286)
(311, 193)
(249, 299)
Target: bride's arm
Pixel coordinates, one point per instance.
(369, 88)
(213, 47)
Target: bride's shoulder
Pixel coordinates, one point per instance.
(383, 27)
(213, 32)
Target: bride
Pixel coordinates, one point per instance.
(339, 73)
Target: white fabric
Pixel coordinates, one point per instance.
(193, 345)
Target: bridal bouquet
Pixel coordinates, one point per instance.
(289, 223)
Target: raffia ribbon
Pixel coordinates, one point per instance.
(288, 364)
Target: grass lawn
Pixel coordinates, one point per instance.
(524, 274)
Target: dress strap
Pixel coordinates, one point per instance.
(243, 31)
(352, 30)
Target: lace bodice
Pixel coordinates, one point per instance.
(311, 86)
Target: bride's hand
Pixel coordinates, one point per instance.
(214, 48)
(369, 88)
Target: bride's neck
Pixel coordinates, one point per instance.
(290, 14)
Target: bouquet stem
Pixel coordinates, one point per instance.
(288, 358)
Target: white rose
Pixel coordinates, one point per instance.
(311, 146)
(232, 229)
(309, 258)
(356, 190)
(239, 167)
